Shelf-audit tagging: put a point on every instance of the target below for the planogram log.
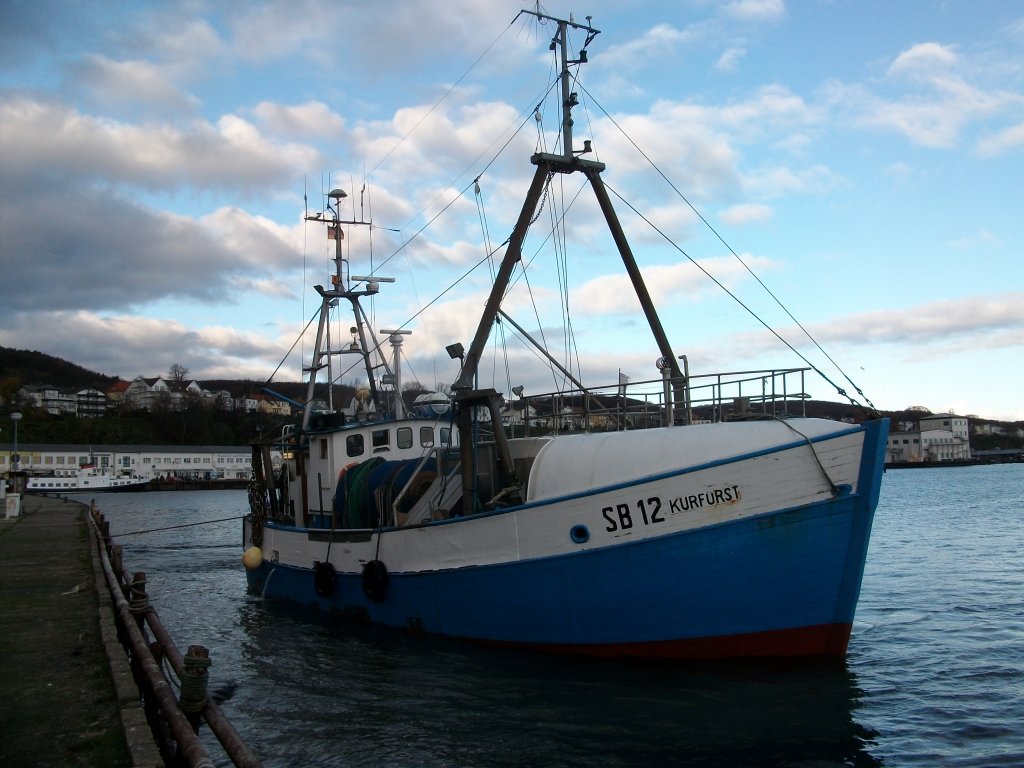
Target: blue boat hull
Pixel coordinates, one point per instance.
(779, 584)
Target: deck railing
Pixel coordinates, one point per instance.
(727, 396)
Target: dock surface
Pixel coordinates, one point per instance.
(58, 701)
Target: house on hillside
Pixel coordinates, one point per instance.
(146, 394)
(53, 400)
(115, 392)
(92, 403)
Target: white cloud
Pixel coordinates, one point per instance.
(730, 59)
(655, 45)
(668, 284)
(948, 326)
(923, 60)
(756, 10)
(747, 212)
(934, 105)
(1002, 142)
(132, 86)
(981, 238)
(41, 137)
(314, 118)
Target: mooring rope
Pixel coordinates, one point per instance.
(810, 444)
(183, 525)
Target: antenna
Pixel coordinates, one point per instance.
(560, 43)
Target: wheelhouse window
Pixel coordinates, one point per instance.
(446, 436)
(381, 440)
(323, 449)
(426, 436)
(405, 437)
(354, 445)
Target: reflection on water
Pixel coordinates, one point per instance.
(336, 695)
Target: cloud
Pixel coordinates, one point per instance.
(935, 104)
(313, 119)
(129, 346)
(923, 60)
(981, 238)
(131, 86)
(730, 59)
(105, 253)
(657, 44)
(668, 284)
(44, 139)
(755, 10)
(1002, 142)
(993, 321)
(747, 212)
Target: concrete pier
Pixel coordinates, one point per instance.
(67, 696)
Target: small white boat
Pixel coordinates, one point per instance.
(86, 479)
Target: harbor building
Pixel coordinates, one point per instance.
(184, 462)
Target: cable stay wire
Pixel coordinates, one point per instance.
(722, 240)
(444, 96)
(734, 297)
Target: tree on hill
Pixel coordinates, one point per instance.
(177, 373)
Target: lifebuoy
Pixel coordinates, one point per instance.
(324, 578)
(375, 580)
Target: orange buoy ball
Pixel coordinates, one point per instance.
(252, 558)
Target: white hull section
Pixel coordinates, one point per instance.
(635, 495)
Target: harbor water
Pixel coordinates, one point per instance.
(934, 674)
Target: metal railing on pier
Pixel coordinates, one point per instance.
(175, 721)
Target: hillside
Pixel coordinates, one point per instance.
(31, 367)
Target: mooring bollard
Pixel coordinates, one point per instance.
(139, 601)
(195, 679)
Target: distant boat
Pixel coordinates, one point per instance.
(744, 536)
(86, 479)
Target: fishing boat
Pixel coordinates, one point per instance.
(691, 516)
(87, 478)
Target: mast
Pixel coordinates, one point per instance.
(343, 286)
(568, 161)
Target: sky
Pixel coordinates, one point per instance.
(862, 159)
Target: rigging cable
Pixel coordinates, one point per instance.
(486, 234)
(735, 298)
(814, 341)
(444, 96)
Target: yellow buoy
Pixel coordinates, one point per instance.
(252, 558)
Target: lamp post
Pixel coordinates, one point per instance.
(15, 459)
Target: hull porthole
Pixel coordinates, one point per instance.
(324, 578)
(580, 534)
(375, 580)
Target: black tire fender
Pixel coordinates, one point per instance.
(375, 580)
